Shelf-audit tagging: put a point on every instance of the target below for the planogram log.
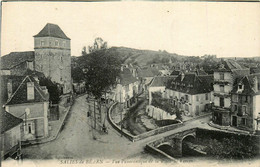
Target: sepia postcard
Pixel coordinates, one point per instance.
(131, 83)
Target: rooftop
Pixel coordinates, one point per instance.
(20, 94)
(14, 58)
(192, 83)
(8, 121)
(52, 30)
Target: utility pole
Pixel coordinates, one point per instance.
(121, 112)
(94, 113)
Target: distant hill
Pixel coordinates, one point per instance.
(143, 57)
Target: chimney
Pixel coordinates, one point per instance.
(182, 75)
(36, 79)
(9, 88)
(256, 84)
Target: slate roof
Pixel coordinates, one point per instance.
(229, 65)
(147, 72)
(175, 72)
(52, 30)
(8, 121)
(15, 58)
(160, 81)
(16, 81)
(248, 82)
(192, 84)
(20, 95)
(126, 77)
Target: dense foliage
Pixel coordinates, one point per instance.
(230, 148)
(165, 105)
(100, 71)
(53, 89)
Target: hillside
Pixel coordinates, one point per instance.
(143, 57)
(139, 57)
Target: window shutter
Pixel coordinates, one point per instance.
(33, 128)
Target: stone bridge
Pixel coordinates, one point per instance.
(174, 142)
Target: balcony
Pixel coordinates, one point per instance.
(222, 94)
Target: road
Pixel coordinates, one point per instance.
(76, 140)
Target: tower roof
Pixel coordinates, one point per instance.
(51, 30)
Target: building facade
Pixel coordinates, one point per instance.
(10, 135)
(191, 93)
(245, 103)
(53, 56)
(224, 78)
(30, 102)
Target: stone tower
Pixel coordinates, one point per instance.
(53, 55)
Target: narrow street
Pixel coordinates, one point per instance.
(76, 140)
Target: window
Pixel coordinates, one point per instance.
(240, 86)
(64, 44)
(244, 110)
(221, 87)
(221, 76)
(42, 43)
(235, 107)
(127, 88)
(56, 43)
(235, 98)
(30, 91)
(29, 128)
(197, 98)
(187, 97)
(207, 96)
(243, 121)
(186, 107)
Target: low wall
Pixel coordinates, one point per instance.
(115, 126)
(158, 152)
(158, 113)
(134, 138)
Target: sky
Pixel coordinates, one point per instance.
(185, 28)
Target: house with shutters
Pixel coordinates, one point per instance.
(30, 102)
(245, 103)
(191, 93)
(128, 88)
(224, 78)
(10, 135)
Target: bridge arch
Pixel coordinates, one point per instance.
(189, 136)
(164, 143)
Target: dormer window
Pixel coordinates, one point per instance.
(30, 90)
(240, 87)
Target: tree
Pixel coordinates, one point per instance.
(99, 44)
(77, 74)
(53, 89)
(101, 69)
